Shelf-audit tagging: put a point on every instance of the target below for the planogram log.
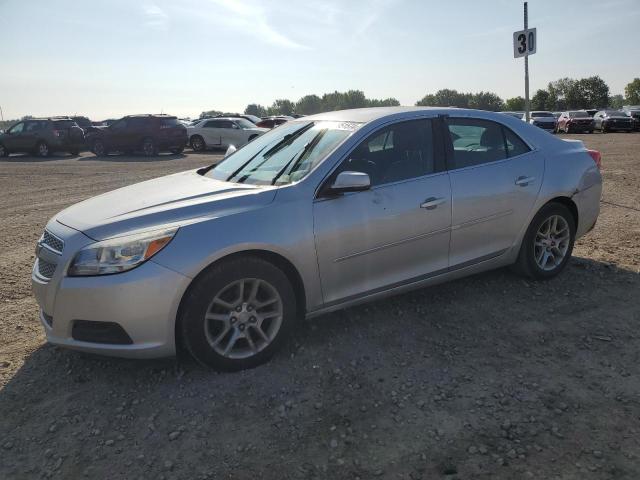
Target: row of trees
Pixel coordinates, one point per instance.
(562, 94)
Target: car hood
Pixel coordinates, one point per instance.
(173, 200)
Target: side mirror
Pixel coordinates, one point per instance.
(351, 182)
(230, 150)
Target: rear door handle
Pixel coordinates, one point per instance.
(524, 181)
(432, 202)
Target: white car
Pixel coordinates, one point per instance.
(542, 119)
(222, 132)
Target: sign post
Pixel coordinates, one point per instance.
(525, 43)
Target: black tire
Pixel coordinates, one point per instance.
(98, 148)
(197, 143)
(42, 149)
(75, 152)
(198, 301)
(3, 151)
(149, 148)
(526, 264)
(567, 129)
(590, 131)
(177, 150)
(603, 128)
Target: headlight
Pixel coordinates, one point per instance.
(119, 254)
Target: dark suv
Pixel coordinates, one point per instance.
(149, 134)
(42, 137)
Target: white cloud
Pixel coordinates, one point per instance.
(154, 16)
(251, 18)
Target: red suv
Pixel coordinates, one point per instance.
(575, 121)
(149, 134)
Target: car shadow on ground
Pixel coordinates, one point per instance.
(29, 158)
(433, 370)
(484, 295)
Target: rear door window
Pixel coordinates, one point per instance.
(64, 124)
(169, 122)
(476, 141)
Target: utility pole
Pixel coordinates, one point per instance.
(527, 104)
(1, 115)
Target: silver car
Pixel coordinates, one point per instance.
(321, 213)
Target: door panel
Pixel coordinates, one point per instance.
(489, 208)
(373, 239)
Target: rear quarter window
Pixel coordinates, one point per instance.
(64, 124)
(169, 122)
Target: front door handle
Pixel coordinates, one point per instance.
(524, 181)
(432, 202)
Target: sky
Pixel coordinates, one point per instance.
(109, 58)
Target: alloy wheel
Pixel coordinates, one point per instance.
(98, 148)
(243, 318)
(552, 242)
(197, 144)
(43, 149)
(148, 148)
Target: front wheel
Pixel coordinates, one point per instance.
(98, 148)
(3, 151)
(237, 314)
(149, 148)
(42, 150)
(548, 243)
(197, 143)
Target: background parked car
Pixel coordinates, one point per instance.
(633, 111)
(42, 137)
(542, 119)
(272, 122)
(591, 111)
(612, 121)
(252, 118)
(222, 132)
(84, 123)
(575, 121)
(149, 134)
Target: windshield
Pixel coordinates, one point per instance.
(541, 114)
(244, 123)
(579, 114)
(283, 155)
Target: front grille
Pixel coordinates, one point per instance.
(53, 242)
(46, 269)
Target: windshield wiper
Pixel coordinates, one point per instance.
(298, 156)
(286, 140)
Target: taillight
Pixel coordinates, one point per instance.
(597, 157)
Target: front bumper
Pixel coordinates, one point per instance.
(143, 301)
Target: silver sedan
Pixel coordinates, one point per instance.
(316, 215)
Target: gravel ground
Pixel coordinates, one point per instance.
(487, 377)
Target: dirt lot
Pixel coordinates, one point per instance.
(487, 377)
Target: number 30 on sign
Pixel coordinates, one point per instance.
(524, 43)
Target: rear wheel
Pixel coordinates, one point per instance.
(98, 148)
(3, 151)
(42, 149)
(237, 314)
(197, 143)
(548, 243)
(149, 148)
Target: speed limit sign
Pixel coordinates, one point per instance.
(524, 43)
